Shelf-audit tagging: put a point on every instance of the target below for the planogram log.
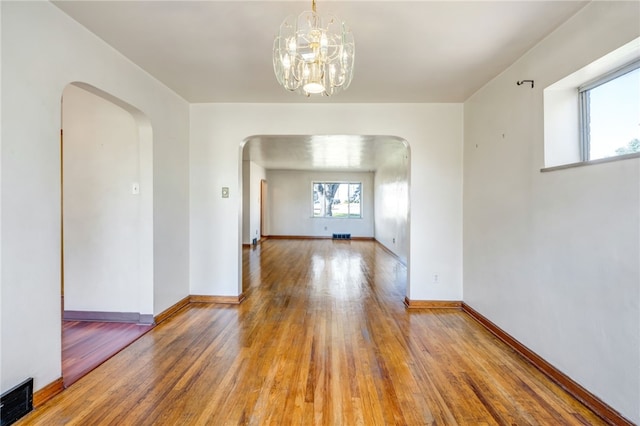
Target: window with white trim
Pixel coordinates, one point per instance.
(337, 200)
(593, 114)
(610, 114)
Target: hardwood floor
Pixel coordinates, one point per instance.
(322, 338)
(86, 345)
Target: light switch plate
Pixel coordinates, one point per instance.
(225, 192)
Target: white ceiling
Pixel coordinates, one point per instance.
(323, 152)
(406, 51)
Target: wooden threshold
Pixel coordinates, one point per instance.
(591, 401)
(88, 344)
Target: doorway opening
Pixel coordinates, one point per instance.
(106, 240)
(279, 172)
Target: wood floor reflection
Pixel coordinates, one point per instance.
(322, 338)
(87, 344)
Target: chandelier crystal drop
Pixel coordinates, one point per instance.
(314, 54)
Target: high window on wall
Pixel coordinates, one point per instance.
(337, 200)
(610, 114)
(592, 115)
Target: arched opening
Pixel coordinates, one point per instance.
(288, 165)
(106, 228)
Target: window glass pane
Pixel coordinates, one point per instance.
(318, 200)
(331, 198)
(335, 199)
(354, 199)
(337, 207)
(614, 120)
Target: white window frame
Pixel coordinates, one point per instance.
(324, 182)
(561, 110)
(585, 104)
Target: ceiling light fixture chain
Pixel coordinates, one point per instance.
(314, 54)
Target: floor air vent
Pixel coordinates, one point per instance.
(16, 402)
(341, 236)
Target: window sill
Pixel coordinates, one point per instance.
(592, 162)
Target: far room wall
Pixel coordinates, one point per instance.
(291, 210)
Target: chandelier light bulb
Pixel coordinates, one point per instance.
(314, 54)
(292, 45)
(285, 61)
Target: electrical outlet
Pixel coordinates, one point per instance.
(435, 278)
(394, 241)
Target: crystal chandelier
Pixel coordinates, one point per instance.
(314, 54)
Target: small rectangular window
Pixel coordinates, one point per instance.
(337, 199)
(610, 114)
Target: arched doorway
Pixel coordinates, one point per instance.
(106, 229)
(301, 157)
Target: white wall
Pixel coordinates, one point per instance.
(553, 258)
(434, 132)
(392, 204)
(246, 201)
(291, 209)
(43, 50)
(252, 176)
(258, 174)
(101, 216)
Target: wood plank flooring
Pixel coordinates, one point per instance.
(323, 338)
(86, 345)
